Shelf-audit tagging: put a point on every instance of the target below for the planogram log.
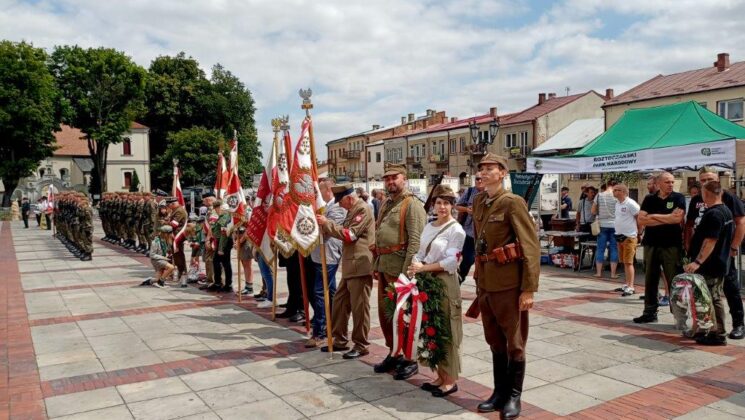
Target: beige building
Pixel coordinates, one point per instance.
(375, 160)
(720, 88)
(70, 165)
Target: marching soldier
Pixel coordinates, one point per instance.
(85, 213)
(141, 228)
(507, 269)
(401, 220)
(357, 233)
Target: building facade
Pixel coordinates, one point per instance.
(70, 165)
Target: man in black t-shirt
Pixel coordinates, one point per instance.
(662, 216)
(709, 252)
(731, 282)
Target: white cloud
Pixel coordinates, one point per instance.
(372, 62)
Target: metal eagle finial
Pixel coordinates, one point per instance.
(276, 125)
(305, 94)
(284, 122)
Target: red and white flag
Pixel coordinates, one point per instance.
(234, 197)
(221, 176)
(176, 188)
(280, 189)
(50, 200)
(257, 226)
(304, 198)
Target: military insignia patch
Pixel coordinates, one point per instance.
(358, 218)
(670, 205)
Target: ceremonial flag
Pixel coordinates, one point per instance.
(221, 176)
(257, 231)
(176, 188)
(280, 183)
(304, 198)
(50, 199)
(235, 198)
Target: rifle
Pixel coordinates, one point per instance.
(431, 200)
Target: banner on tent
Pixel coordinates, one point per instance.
(452, 182)
(525, 184)
(419, 188)
(720, 152)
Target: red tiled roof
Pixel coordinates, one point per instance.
(700, 80)
(71, 141)
(540, 110)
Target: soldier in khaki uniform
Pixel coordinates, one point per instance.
(86, 227)
(357, 233)
(401, 220)
(179, 217)
(507, 269)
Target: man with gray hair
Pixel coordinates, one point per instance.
(661, 214)
(731, 283)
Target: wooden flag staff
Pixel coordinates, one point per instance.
(307, 106)
(276, 124)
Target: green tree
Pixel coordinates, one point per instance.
(135, 186)
(230, 106)
(196, 149)
(104, 89)
(29, 112)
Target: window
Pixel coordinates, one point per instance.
(462, 144)
(452, 147)
(127, 147)
(731, 110)
(377, 156)
(127, 179)
(442, 148)
(484, 136)
(523, 138)
(62, 173)
(369, 157)
(510, 140)
(434, 147)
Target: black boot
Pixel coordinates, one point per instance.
(515, 376)
(498, 397)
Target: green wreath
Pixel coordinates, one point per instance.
(434, 334)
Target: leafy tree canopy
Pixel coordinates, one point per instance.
(196, 149)
(29, 112)
(104, 90)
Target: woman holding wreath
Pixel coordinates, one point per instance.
(439, 254)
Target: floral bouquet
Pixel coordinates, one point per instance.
(692, 305)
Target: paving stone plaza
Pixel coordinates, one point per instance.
(81, 340)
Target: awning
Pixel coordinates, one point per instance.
(671, 136)
(574, 136)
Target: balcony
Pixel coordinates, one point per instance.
(477, 149)
(414, 161)
(440, 161)
(519, 152)
(352, 154)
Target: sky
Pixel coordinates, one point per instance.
(371, 62)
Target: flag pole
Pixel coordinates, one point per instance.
(301, 261)
(275, 126)
(307, 106)
(238, 250)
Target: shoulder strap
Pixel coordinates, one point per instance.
(402, 222)
(437, 235)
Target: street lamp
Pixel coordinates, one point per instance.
(493, 130)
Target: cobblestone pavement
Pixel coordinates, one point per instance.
(80, 340)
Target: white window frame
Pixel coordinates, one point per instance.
(510, 140)
(723, 108)
(523, 139)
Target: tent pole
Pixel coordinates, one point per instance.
(738, 263)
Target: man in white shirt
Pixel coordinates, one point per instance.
(627, 231)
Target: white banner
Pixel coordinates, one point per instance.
(375, 185)
(452, 182)
(419, 188)
(720, 152)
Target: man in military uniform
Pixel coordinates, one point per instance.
(401, 220)
(178, 222)
(353, 293)
(208, 254)
(223, 246)
(85, 214)
(507, 269)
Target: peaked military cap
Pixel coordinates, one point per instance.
(494, 158)
(342, 190)
(394, 169)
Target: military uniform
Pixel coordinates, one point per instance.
(398, 228)
(357, 233)
(502, 221)
(223, 243)
(178, 223)
(73, 217)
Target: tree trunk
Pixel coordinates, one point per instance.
(10, 186)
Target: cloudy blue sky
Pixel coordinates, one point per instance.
(370, 62)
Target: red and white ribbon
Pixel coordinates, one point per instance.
(405, 289)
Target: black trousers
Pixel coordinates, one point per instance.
(38, 220)
(295, 288)
(469, 256)
(49, 222)
(25, 219)
(220, 263)
(732, 293)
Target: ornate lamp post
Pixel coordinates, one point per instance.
(478, 143)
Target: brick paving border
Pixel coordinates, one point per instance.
(20, 389)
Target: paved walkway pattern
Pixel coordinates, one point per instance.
(80, 340)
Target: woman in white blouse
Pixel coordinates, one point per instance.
(440, 248)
